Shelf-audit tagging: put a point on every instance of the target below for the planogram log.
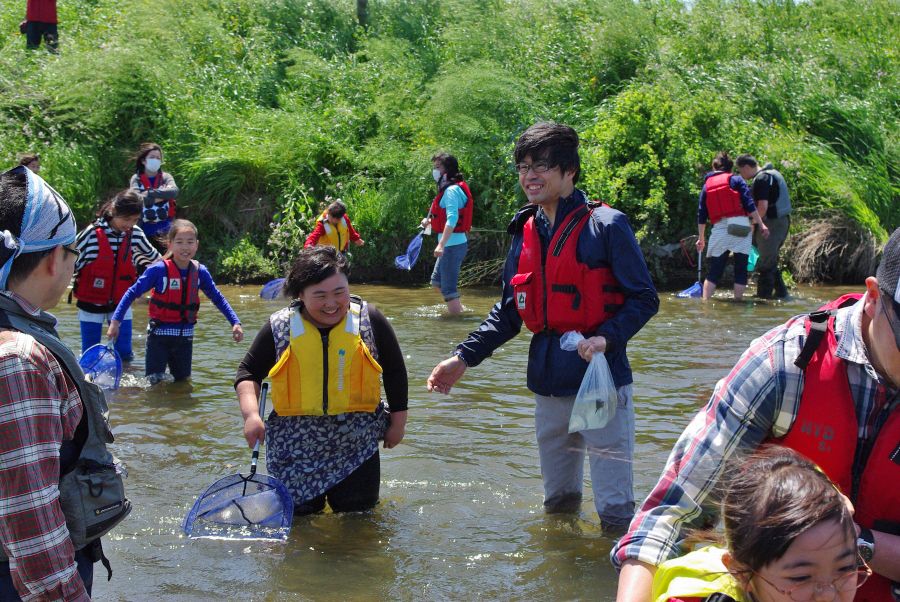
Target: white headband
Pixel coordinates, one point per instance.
(47, 223)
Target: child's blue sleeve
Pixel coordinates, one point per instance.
(209, 289)
(147, 281)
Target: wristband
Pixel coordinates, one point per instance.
(462, 357)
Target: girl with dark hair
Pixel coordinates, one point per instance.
(110, 250)
(450, 216)
(156, 189)
(176, 282)
(726, 201)
(789, 535)
(326, 354)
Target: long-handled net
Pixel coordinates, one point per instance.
(694, 291)
(408, 260)
(103, 364)
(255, 506)
(272, 289)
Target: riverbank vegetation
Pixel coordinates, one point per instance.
(266, 109)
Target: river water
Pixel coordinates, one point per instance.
(460, 516)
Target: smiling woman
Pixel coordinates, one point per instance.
(326, 354)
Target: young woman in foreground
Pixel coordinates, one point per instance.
(789, 535)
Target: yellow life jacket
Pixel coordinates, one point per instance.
(338, 237)
(333, 374)
(699, 574)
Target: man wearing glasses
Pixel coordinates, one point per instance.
(572, 265)
(824, 384)
(52, 422)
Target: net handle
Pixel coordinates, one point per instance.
(262, 411)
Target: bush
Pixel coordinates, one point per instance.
(244, 263)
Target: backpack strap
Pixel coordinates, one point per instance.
(818, 326)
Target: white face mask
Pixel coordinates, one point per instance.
(152, 165)
(436, 174)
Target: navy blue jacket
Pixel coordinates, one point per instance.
(606, 240)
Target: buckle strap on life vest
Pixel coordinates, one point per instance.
(568, 289)
(567, 229)
(174, 306)
(818, 326)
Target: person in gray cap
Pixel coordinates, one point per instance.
(60, 489)
(824, 384)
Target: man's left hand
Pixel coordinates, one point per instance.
(587, 347)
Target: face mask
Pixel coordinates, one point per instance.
(152, 165)
(436, 174)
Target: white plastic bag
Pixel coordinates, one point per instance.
(595, 404)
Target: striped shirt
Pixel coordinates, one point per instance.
(142, 252)
(39, 408)
(760, 398)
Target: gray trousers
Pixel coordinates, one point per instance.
(610, 453)
(768, 247)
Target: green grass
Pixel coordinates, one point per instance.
(264, 108)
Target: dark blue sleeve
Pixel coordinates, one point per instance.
(622, 253)
(503, 322)
(737, 183)
(150, 278)
(209, 289)
(702, 211)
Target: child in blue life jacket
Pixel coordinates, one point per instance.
(789, 535)
(176, 282)
(109, 251)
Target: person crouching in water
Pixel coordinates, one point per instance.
(789, 535)
(109, 251)
(334, 228)
(322, 437)
(176, 281)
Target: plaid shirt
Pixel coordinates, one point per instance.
(760, 398)
(39, 408)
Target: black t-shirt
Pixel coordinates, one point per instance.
(765, 188)
(261, 356)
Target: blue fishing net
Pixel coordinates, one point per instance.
(103, 364)
(693, 292)
(406, 262)
(272, 290)
(242, 507)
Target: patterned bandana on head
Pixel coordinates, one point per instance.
(47, 223)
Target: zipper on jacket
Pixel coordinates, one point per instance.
(544, 281)
(325, 373)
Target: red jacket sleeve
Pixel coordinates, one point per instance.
(313, 238)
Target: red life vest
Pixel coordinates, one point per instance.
(579, 298)
(721, 199)
(826, 431)
(180, 299)
(105, 280)
(155, 212)
(439, 215)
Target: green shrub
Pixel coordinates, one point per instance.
(243, 262)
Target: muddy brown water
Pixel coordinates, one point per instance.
(460, 516)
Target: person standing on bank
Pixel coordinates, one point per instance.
(41, 24)
(110, 249)
(53, 421)
(725, 201)
(773, 201)
(572, 265)
(450, 217)
(322, 436)
(157, 190)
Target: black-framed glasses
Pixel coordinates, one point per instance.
(848, 582)
(539, 167)
(885, 300)
(74, 252)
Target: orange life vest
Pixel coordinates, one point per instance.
(179, 301)
(439, 215)
(105, 280)
(554, 291)
(721, 199)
